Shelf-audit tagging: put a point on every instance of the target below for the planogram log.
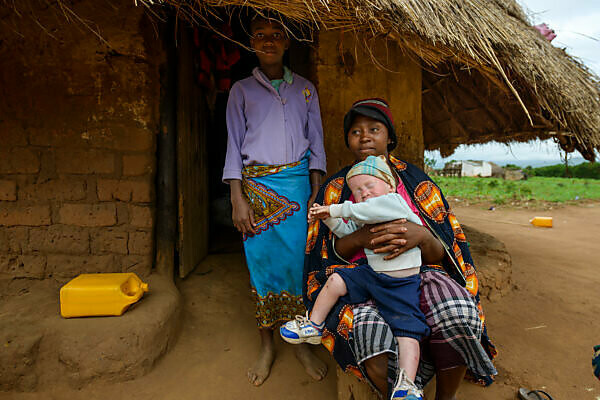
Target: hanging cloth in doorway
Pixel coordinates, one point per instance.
(215, 57)
(275, 254)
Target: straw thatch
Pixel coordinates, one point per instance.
(488, 75)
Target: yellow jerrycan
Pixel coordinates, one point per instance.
(545, 222)
(91, 295)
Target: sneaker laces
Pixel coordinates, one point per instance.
(405, 382)
(302, 320)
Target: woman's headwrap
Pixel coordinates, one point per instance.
(375, 108)
(374, 166)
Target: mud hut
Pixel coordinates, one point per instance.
(109, 140)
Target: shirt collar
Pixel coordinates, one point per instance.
(288, 75)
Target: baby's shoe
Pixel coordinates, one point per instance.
(301, 330)
(405, 389)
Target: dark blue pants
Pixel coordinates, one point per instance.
(396, 298)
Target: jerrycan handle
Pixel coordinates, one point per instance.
(134, 288)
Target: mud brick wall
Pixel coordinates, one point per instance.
(78, 118)
(345, 73)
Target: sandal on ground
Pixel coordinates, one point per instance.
(526, 394)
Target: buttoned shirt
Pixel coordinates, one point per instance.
(267, 127)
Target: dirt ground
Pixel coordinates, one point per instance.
(544, 328)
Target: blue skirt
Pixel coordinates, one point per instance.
(275, 254)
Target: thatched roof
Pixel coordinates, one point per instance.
(488, 75)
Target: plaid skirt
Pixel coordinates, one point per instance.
(455, 326)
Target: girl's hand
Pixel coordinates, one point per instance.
(242, 215)
(318, 212)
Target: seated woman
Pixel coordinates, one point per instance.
(357, 336)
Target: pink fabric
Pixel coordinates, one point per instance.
(546, 32)
(401, 190)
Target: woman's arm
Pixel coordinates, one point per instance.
(398, 236)
(348, 246)
(393, 237)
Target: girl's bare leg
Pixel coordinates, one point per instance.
(259, 372)
(408, 356)
(314, 367)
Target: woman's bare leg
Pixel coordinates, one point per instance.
(408, 356)
(377, 371)
(447, 382)
(259, 372)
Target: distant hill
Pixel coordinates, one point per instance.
(584, 170)
(535, 163)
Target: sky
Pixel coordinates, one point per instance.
(577, 25)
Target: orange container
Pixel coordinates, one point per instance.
(545, 222)
(100, 294)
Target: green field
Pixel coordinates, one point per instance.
(534, 189)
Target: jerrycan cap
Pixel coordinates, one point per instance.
(144, 286)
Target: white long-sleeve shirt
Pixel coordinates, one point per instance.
(375, 210)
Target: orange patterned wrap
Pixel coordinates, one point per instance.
(399, 164)
(345, 325)
(429, 200)
(312, 285)
(331, 269)
(311, 238)
(328, 340)
(333, 191)
(324, 253)
(456, 228)
(354, 371)
(471, 278)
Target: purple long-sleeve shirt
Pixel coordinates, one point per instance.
(269, 128)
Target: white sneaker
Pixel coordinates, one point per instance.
(405, 389)
(301, 330)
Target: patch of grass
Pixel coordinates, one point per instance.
(536, 189)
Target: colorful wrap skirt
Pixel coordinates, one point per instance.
(275, 254)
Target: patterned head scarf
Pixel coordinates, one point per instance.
(375, 108)
(374, 166)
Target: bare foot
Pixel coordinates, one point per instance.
(259, 372)
(314, 367)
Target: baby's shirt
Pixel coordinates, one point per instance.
(376, 210)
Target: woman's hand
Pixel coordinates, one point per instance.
(394, 237)
(399, 236)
